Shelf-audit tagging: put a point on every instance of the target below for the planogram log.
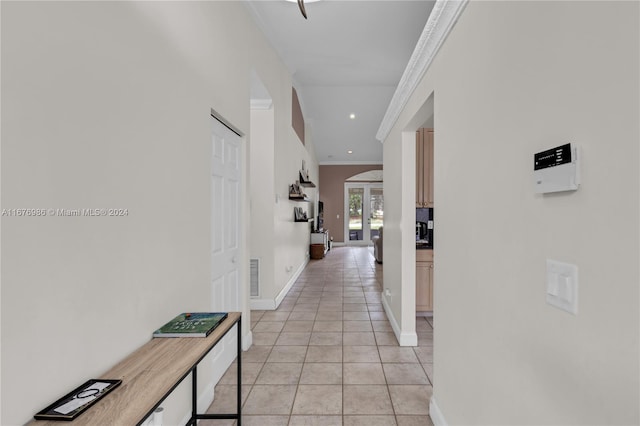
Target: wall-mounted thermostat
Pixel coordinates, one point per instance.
(556, 169)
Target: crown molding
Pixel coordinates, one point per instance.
(441, 21)
(350, 163)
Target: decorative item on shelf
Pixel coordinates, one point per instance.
(300, 216)
(305, 181)
(304, 177)
(295, 192)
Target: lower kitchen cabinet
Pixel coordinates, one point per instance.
(424, 280)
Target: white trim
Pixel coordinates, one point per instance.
(408, 339)
(247, 341)
(204, 401)
(349, 163)
(262, 104)
(436, 415)
(441, 21)
(366, 206)
(262, 304)
(272, 304)
(206, 398)
(404, 338)
(376, 175)
(291, 282)
(227, 124)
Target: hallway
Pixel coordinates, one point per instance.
(328, 355)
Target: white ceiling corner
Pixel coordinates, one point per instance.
(259, 96)
(261, 103)
(443, 18)
(348, 57)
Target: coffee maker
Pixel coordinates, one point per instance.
(421, 231)
(424, 228)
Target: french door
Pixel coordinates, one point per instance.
(363, 212)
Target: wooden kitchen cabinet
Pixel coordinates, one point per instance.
(424, 280)
(424, 167)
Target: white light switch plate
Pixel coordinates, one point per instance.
(562, 286)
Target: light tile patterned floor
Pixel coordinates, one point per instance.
(328, 356)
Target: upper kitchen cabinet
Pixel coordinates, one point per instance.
(424, 167)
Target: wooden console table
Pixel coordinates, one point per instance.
(151, 373)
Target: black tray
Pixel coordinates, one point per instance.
(91, 391)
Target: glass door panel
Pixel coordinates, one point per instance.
(376, 210)
(364, 210)
(355, 198)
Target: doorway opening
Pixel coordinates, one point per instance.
(424, 285)
(227, 278)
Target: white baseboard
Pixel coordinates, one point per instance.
(392, 319)
(204, 401)
(272, 304)
(338, 244)
(206, 397)
(291, 282)
(404, 338)
(247, 341)
(436, 415)
(408, 339)
(262, 304)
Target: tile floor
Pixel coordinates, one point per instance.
(328, 356)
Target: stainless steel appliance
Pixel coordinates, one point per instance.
(421, 231)
(424, 228)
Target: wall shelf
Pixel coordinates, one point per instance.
(306, 183)
(304, 220)
(300, 199)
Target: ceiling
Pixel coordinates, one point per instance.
(347, 58)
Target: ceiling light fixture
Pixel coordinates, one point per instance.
(301, 5)
(349, 152)
(352, 116)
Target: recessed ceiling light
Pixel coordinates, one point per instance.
(352, 116)
(349, 152)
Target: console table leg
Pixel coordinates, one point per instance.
(239, 410)
(194, 395)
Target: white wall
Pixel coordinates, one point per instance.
(292, 242)
(399, 272)
(107, 105)
(262, 200)
(280, 243)
(512, 79)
